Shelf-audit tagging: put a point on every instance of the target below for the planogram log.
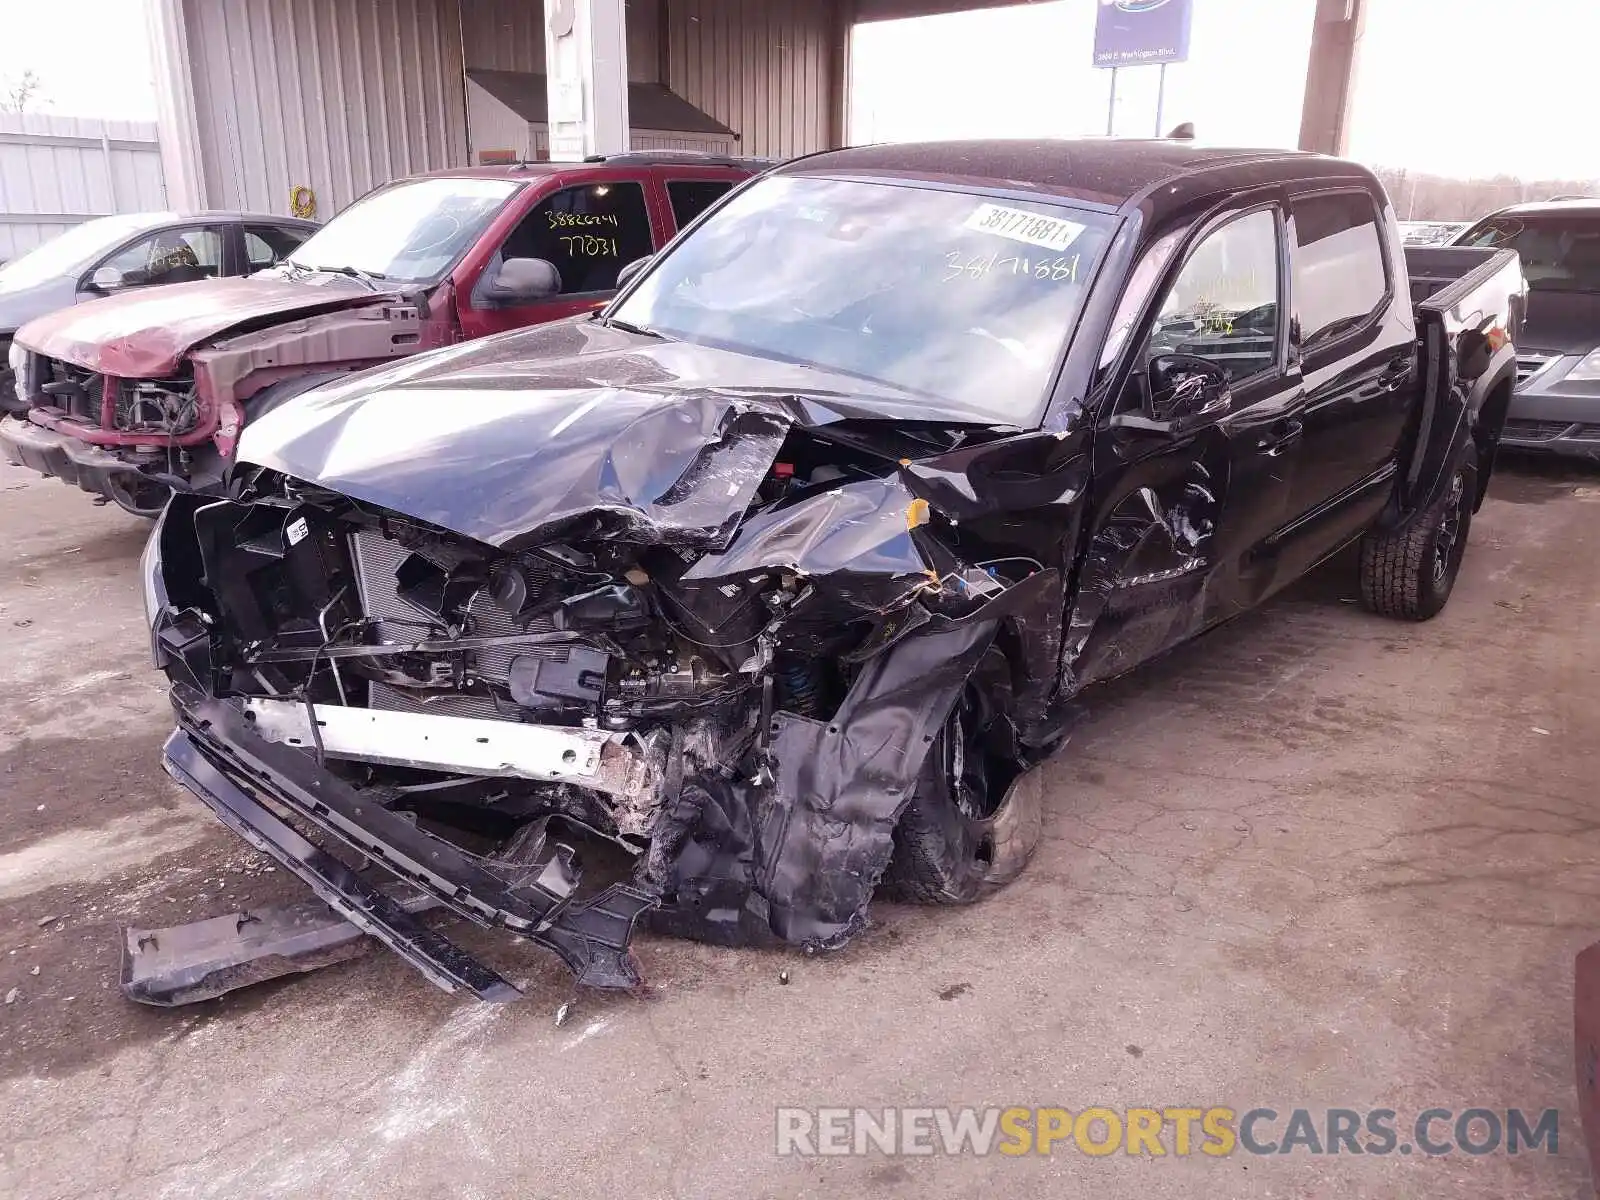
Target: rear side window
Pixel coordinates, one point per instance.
(588, 233)
(1339, 278)
(691, 197)
(268, 245)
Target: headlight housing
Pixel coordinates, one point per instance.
(1587, 370)
(17, 360)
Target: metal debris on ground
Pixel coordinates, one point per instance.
(562, 1013)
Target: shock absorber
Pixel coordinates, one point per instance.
(801, 685)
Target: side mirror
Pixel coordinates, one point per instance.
(1184, 386)
(1186, 393)
(631, 271)
(523, 281)
(106, 279)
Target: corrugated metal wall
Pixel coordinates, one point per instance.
(768, 69)
(765, 68)
(342, 95)
(58, 171)
(508, 35)
(335, 95)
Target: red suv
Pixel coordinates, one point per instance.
(135, 394)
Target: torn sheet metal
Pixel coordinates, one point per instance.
(146, 332)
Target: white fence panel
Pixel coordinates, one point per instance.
(58, 171)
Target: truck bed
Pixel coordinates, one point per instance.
(1433, 269)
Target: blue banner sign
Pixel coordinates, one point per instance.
(1131, 33)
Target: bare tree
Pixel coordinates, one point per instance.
(1439, 198)
(21, 94)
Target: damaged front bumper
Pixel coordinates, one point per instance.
(241, 777)
(48, 452)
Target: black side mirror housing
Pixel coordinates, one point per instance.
(1186, 393)
(1185, 386)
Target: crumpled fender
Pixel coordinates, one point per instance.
(796, 859)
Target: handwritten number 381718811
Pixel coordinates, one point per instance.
(959, 265)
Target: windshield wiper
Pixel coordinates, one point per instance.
(370, 278)
(630, 327)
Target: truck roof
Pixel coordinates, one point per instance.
(1112, 172)
(1567, 204)
(630, 160)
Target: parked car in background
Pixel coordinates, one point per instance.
(133, 395)
(1557, 404)
(1431, 233)
(120, 253)
(783, 571)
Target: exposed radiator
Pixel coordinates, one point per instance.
(377, 560)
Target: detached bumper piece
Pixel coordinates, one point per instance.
(51, 453)
(202, 960)
(218, 756)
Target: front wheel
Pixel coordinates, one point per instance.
(1409, 571)
(957, 840)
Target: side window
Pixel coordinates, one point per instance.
(1339, 278)
(691, 197)
(1224, 303)
(268, 245)
(587, 233)
(171, 256)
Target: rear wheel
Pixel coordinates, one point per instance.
(1409, 572)
(960, 838)
(136, 494)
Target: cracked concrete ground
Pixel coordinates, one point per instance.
(1317, 859)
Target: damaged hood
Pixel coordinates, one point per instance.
(569, 430)
(147, 331)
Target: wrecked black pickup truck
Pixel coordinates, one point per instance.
(780, 572)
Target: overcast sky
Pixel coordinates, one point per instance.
(1456, 86)
(92, 57)
(1468, 87)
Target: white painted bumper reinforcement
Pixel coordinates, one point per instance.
(471, 746)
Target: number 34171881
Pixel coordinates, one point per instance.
(975, 266)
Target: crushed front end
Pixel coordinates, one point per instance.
(738, 658)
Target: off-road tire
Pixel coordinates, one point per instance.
(943, 855)
(1409, 571)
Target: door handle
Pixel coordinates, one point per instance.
(1282, 435)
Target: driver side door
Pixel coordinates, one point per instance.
(587, 233)
(1188, 491)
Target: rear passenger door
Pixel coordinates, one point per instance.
(1356, 354)
(688, 198)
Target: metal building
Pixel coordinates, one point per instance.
(265, 102)
(260, 98)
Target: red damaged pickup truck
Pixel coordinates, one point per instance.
(135, 394)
